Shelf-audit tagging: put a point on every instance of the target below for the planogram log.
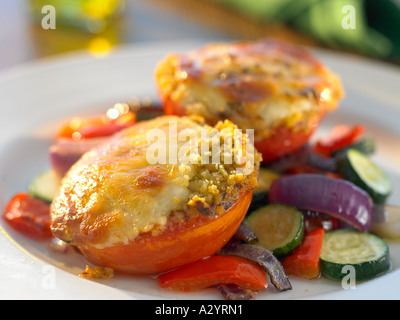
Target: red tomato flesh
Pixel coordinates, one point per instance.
(215, 270)
(28, 215)
(283, 141)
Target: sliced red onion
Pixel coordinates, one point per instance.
(303, 156)
(314, 220)
(234, 292)
(337, 197)
(263, 258)
(65, 152)
(245, 234)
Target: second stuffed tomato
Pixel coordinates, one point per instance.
(128, 206)
(278, 89)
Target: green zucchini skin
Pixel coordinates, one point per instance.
(45, 186)
(364, 270)
(267, 225)
(359, 169)
(260, 194)
(260, 199)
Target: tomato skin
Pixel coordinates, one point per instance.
(281, 142)
(212, 271)
(173, 108)
(28, 215)
(152, 254)
(95, 127)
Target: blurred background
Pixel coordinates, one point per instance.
(364, 27)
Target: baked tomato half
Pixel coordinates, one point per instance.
(275, 88)
(128, 209)
(178, 245)
(172, 107)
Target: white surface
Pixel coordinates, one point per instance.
(35, 97)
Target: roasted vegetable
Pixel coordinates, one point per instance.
(365, 145)
(356, 167)
(264, 258)
(260, 194)
(233, 292)
(215, 270)
(65, 152)
(104, 125)
(337, 197)
(365, 252)
(278, 227)
(28, 215)
(304, 261)
(245, 233)
(45, 186)
(340, 137)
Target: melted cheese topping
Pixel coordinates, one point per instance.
(116, 192)
(259, 85)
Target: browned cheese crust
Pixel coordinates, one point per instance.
(113, 193)
(259, 85)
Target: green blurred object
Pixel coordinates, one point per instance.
(93, 25)
(370, 27)
(92, 16)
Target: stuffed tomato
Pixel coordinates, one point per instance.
(278, 89)
(128, 206)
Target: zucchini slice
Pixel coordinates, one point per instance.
(45, 186)
(367, 253)
(359, 169)
(260, 194)
(279, 228)
(265, 178)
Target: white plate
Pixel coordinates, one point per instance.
(35, 97)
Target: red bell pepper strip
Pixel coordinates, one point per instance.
(96, 126)
(28, 215)
(334, 175)
(304, 261)
(339, 138)
(213, 271)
